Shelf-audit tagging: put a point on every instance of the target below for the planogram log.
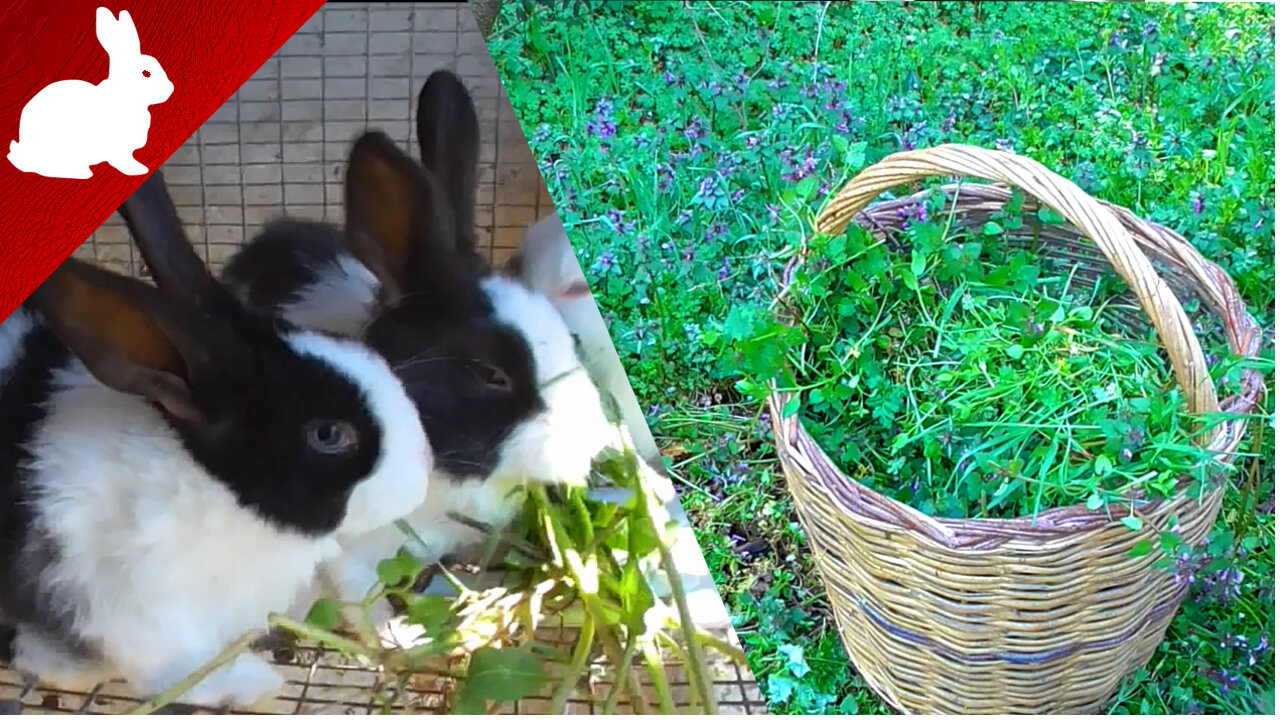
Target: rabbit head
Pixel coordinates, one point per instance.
(546, 263)
(312, 432)
(490, 364)
(139, 76)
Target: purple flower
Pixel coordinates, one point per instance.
(1005, 145)
(1197, 204)
(696, 128)
(949, 124)
(605, 260)
(737, 195)
(724, 270)
(707, 186)
(683, 217)
(671, 79)
(798, 170)
(615, 219)
(752, 141)
(773, 212)
(602, 125)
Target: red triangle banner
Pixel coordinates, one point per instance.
(206, 49)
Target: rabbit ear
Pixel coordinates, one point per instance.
(548, 264)
(127, 334)
(449, 145)
(158, 233)
(398, 220)
(118, 37)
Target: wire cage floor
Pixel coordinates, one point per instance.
(278, 146)
(323, 682)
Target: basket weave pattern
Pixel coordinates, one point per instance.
(1028, 615)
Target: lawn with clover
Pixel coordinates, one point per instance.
(687, 145)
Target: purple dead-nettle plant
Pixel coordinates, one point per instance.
(666, 174)
(737, 195)
(605, 261)
(1005, 145)
(615, 218)
(602, 125)
(723, 273)
(707, 186)
(1197, 204)
(669, 77)
(713, 87)
(799, 170)
(696, 129)
(727, 163)
(683, 217)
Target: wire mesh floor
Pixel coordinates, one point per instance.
(325, 683)
(278, 147)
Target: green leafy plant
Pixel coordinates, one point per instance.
(570, 559)
(678, 140)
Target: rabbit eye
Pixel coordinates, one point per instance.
(494, 377)
(146, 73)
(331, 437)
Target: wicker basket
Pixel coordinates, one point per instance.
(1042, 615)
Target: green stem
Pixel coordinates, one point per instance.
(733, 653)
(576, 667)
(172, 694)
(653, 663)
(590, 600)
(315, 634)
(697, 664)
(622, 678)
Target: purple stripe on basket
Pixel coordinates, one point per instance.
(1157, 613)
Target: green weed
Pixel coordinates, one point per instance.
(687, 145)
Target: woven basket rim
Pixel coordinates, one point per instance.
(877, 509)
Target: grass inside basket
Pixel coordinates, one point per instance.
(969, 373)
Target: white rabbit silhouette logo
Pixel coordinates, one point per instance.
(55, 138)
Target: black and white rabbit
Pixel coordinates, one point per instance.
(174, 468)
(490, 363)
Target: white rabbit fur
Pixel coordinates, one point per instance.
(117, 523)
(555, 446)
(71, 125)
(549, 265)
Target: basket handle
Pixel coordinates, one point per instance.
(1075, 205)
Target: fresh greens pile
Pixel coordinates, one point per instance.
(968, 380)
(576, 559)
